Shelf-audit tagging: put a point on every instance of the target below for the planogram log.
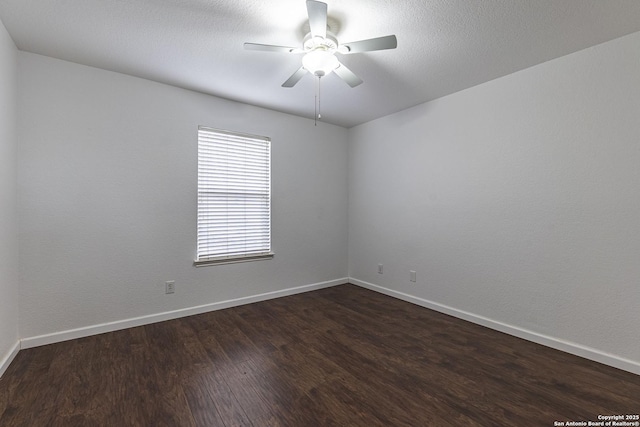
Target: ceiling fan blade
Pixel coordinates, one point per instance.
(317, 18)
(379, 43)
(347, 75)
(295, 78)
(271, 48)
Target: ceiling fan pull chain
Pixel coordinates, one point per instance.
(316, 104)
(319, 114)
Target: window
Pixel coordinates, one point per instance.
(234, 197)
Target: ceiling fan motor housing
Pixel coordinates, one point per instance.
(328, 43)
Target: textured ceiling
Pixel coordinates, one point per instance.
(443, 45)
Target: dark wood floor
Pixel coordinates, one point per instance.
(342, 356)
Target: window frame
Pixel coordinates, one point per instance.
(237, 256)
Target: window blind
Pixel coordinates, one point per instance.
(234, 196)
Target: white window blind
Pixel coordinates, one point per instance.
(234, 197)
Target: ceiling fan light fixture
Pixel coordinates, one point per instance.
(320, 62)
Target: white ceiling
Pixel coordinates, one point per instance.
(443, 45)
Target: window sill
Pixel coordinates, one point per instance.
(232, 260)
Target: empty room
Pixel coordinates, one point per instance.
(319, 213)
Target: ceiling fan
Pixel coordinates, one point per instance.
(320, 47)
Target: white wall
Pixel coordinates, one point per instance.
(8, 219)
(107, 184)
(517, 202)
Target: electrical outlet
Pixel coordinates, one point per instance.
(412, 275)
(170, 287)
(379, 268)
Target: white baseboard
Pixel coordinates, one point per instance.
(169, 315)
(8, 358)
(558, 344)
